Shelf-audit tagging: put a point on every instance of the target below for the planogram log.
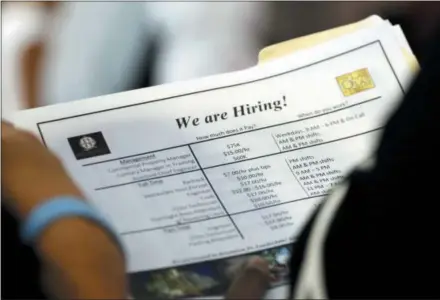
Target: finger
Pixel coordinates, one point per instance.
(11, 133)
(252, 282)
(7, 129)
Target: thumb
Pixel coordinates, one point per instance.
(7, 129)
(252, 282)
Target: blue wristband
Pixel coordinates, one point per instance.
(43, 215)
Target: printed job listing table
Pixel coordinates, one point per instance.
(238, 185)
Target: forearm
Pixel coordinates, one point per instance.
(81, 261)
(79, 257)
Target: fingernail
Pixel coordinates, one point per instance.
(256, 262)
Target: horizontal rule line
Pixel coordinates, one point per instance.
(296, 149)
(244, 132)
(218, 88)
(217, 217)
(142, 180)
(291, 122)
(244, 160)
(132, 155)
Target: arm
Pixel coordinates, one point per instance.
(79, 258)
(91, 268)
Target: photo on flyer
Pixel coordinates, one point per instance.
(206, 279)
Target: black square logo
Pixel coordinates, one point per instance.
(88, 145)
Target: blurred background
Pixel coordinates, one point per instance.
(54, 52)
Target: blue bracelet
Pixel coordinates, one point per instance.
(43, 215)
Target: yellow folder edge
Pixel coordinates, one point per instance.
(301, 43)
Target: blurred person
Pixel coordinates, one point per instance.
(374, 236)
(64, 51)
(22, 27)
(87, 49)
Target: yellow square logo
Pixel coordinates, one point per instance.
(355, 82)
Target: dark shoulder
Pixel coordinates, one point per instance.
(381, 241)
